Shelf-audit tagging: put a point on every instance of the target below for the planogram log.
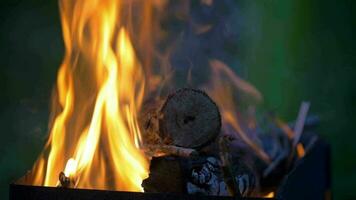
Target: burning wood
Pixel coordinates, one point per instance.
(227, 169)
(160, 150)
(173, 127)
(103, 135)
(65, 181)
(189, 118)
(67, 178)
(166, 175)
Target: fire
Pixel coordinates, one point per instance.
(102, 82)
(95, 135)
(300, 150)
(224, 83)
(269, 195)
(71, 168)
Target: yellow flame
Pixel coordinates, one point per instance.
(100, 88)
(269, 195)
(71, 168)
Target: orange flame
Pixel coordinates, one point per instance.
(300, 150)
(100, 88)
(223, 83)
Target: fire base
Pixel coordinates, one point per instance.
(310, 179)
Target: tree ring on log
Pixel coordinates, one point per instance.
(190, 118)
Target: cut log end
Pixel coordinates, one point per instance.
(190, 119)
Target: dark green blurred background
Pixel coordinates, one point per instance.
(292, 51)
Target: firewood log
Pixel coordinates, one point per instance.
(166, 175)
(190, 119)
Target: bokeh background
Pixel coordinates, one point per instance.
(290, 50)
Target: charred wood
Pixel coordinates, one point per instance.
(166, 175)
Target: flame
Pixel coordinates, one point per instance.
(300, 150)
(269, 195)
(221, 89)
(95, 135)
(71, 168)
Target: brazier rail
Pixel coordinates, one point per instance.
(310, 179)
